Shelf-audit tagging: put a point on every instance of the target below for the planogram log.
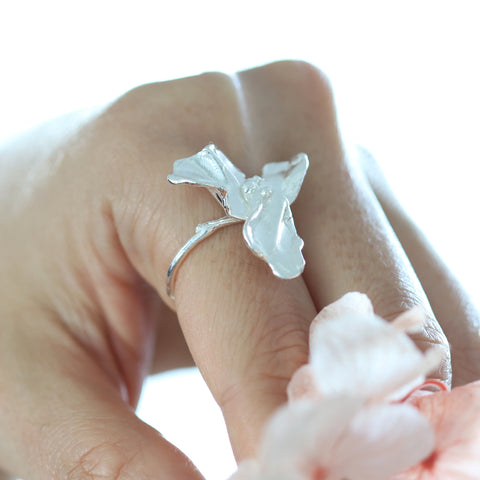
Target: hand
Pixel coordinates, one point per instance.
(90, 224)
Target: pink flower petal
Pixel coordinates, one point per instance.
(302, 384)
(341, 438)
(455, 417)
(383, 440)
(411, 321)
(247, 470)
(303, 434)
(352, 302)
(360, 354)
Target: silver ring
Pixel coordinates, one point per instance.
(262, 203)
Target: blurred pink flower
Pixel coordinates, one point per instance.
(354, 352)
(455, 417)
(357, 410)
(337, 438)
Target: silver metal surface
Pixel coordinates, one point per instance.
(262, 203)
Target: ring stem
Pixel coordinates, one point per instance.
(202, 231)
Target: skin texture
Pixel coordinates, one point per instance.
(89, 226)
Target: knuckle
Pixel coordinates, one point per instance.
(305, 70)
(184, 93)
(104, 461)
(394, 298)
(307, 101)
(172, 116)
(127, 109)
(214, 80)
(305, 80)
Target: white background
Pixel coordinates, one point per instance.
(406, 76)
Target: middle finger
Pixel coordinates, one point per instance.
(349, 244)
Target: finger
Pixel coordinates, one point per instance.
(68, 420)
(246, 329)
(5, 476)
(349, 244)
(451, 304)
(258, 333)
(171, 349)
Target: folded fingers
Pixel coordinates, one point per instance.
(246, 329)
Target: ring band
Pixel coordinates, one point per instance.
(262, 203)
(202, 231)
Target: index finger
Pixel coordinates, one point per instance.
(247, 330)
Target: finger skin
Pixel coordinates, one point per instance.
(65, 416)
(450, 302)
(77, 320)
(113, 225)
(258, 334)
(5, 476)
(246, 329)
(349, 243)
